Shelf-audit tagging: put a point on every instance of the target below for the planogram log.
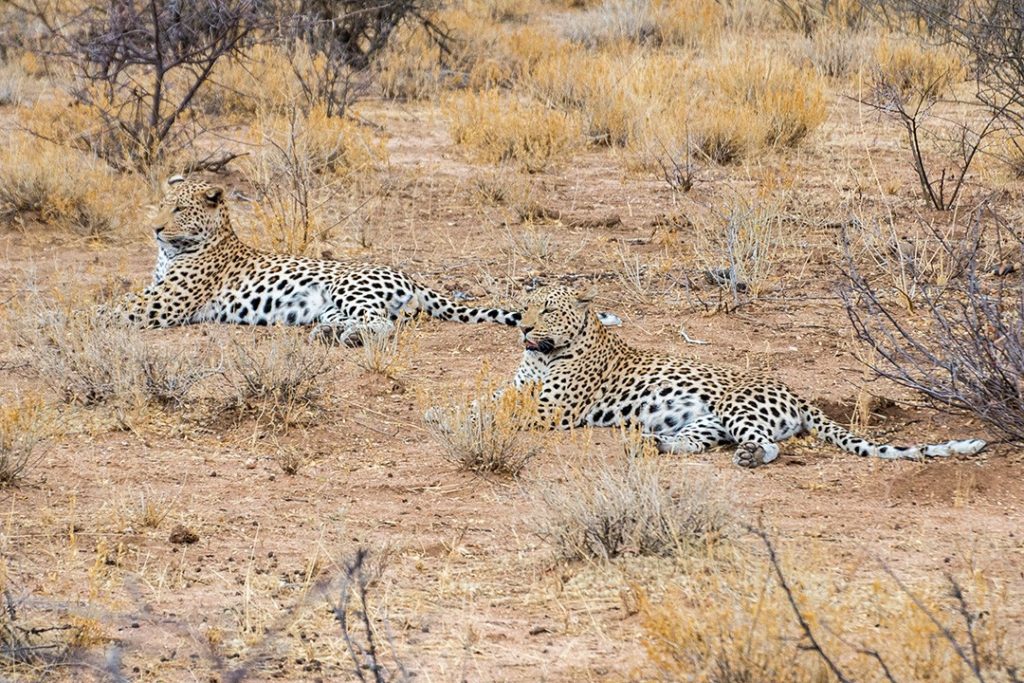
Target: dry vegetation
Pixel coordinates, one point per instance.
(198, 501)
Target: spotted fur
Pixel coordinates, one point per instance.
(589, 376)
(204, 273)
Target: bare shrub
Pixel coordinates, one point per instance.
(60, 187)
(496, 127)
(738, 245)
(168, 379)
(363, 639)
(85, 358)
(334, 44)
(23, 428)
(989, 35)
(772, 620)
(278, 376)
(487, 434)
(909, 83)
(903, 261)
(964, 347)
(139, 64)
(628, 507)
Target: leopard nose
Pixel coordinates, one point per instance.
(526, 328)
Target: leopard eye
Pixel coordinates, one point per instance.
(176, 209)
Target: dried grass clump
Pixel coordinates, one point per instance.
(383, 351)
(496, 127)
(487, 434)
(482, 54)
(616, 94)
(777, 102)
(411, 67)
(629, 506)
(23, 427)
(735, 621)
(12, 84)
(914, 72)
(91, 359)
(694, 24)
(278, 376)
(836, 54)
(61, 187)
(304, 160)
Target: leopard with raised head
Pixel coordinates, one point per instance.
(589, 376)
(204, 273)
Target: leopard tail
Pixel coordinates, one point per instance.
(826, 429)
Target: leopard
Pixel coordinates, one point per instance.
(205, 273)
(583, 374)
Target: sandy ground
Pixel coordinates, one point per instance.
(471, 592)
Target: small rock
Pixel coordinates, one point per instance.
(250, 464)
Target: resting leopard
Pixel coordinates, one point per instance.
(204, 273)
(589, 376)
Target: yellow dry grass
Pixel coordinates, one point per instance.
(495, 127)
(62, 187)
(732, 621)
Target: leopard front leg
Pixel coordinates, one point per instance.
(160, 305)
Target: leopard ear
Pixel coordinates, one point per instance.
(585, 298)
(175, 179)
(214, 196)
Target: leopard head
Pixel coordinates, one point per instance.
(554, 318)
(191, 214)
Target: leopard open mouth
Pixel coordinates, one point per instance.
(544, 345)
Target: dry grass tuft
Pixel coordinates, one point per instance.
(304, 161)
(605, 509)
(487, 434)
(695, 24)
(61, 187)
(496, 127)
(278, 376)
(916, 73)
(12, 84)
(384, 352)
(90, 359)
(23, 427)
(777, 102)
